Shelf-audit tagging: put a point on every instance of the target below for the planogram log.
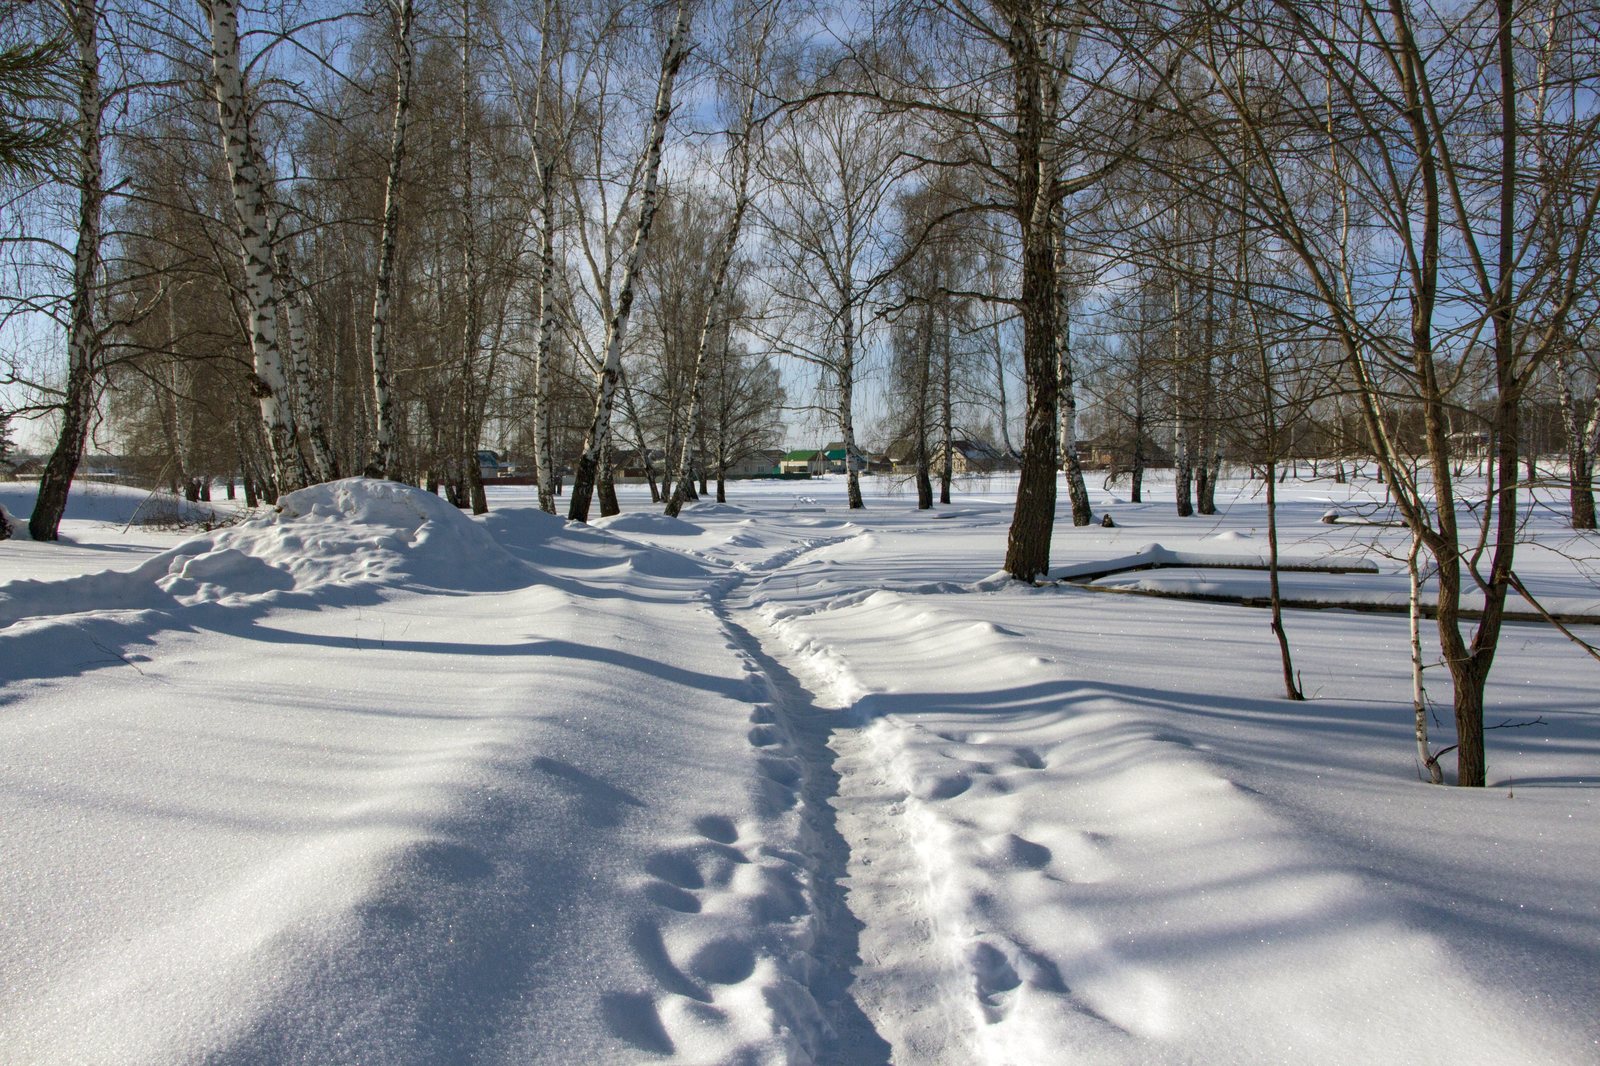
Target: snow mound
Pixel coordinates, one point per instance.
(340, 535)
(356, 531)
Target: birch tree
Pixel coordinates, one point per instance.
(750, 48)
(606, 382)
(378, 462)
(834, 168)
(257, 236)
(84, 335)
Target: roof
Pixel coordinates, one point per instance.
(803, 455)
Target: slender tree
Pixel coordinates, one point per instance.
(606, 382)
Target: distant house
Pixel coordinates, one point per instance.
(22, 466)
(803, 461)
(1115, 452)
(629, 464)
(834, 458)
(764, 463)
(972, 457)
(492, 465)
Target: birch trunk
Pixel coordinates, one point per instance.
(583, 478)
(920, 427)
(471, 491)
(1419, 696)
(83, 337)
(308, 398)
(380, 457)
(1071, 464)
(1580, 460)
(247, 176)
(543, 442)
(947, 422)
(719, 276)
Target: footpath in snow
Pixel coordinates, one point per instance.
(370, 780)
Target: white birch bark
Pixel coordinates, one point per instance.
(468, 491)
(247, 175)
(543, 444)
(380, 457)
(1067, 397)
(617, 327)
(308, 400)
(719, 277)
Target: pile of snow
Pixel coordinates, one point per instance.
(346, 534)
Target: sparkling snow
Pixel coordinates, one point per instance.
(367, 779)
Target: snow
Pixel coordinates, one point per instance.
(367, 779)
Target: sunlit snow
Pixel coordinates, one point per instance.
(365, 779)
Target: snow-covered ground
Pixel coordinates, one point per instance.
(369, 780)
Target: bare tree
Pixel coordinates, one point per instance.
(84, 335)
(834, 168)
(1377, 89)
(378, 462)
(257, 232)
(606, 383)
(742, 137)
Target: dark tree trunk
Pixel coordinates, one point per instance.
(1183, 478)
(83, 340)
(480, 499)
(606, 484)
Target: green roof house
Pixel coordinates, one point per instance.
(803, 461)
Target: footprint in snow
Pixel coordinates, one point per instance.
(1016, 850)
(946, 786)
(1028, 759)
(632, 1017)
(724, 961)
(671, 897)
(716, 828)
(993, 977)
(764, 736)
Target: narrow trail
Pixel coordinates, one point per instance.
(861, 859)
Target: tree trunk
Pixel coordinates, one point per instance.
(308, 398)
(1033, 522)
(1580, 461)
(919, 426)
(719, 276)
(248, 180)
(947, 421)
(543, 436)
(1034, 90)
(583, 478)
(1183, 473)
(83, 339)
(607, 484)
(378, 461)
(469, 425)
(1071, 464)
(1419, 697)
